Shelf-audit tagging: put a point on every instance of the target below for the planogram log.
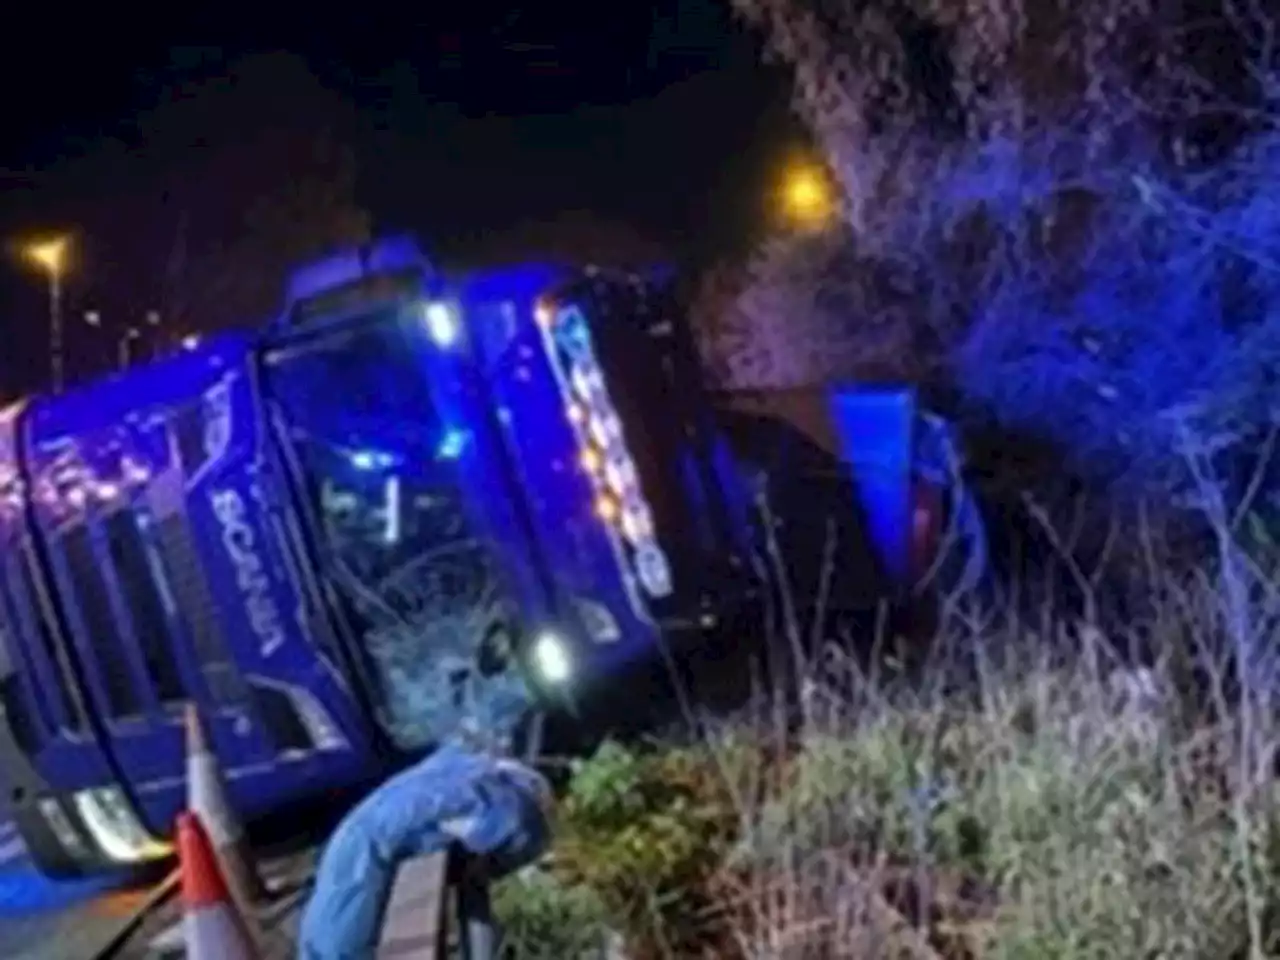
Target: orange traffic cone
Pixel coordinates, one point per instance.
(207, 797)
(212, 927)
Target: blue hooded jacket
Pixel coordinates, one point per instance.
(494, 808)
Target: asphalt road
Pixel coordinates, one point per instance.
(44, 920)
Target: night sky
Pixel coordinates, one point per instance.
(472, 127)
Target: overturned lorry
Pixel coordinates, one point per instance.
(409, 502)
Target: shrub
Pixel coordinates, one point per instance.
(645, 830)
(543, 919)
(1058, 805)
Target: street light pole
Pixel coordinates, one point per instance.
(51, 257)
(57, 357)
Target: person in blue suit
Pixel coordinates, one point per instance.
(494, 808)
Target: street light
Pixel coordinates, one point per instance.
(51, 257)
(808, 199)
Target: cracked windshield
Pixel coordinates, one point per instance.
(382, 472)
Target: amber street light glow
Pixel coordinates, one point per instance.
(807, 197)
(51, 255)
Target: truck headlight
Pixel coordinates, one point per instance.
(551, 658)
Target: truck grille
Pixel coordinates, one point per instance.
(102, 632)
(145, 605)
(195, 600)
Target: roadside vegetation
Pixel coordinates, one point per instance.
(1032, 794)
(1058, 221)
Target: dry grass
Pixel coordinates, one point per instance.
(1025, 793)
(1051, 805)
(1052, 809)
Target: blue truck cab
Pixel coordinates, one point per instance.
(409, 502)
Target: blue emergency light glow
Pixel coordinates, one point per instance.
(442, 323)
(451, 445)
(371, 460)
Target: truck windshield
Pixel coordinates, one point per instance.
(415, 575)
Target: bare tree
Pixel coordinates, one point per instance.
(1073, 198)
(801, 311)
